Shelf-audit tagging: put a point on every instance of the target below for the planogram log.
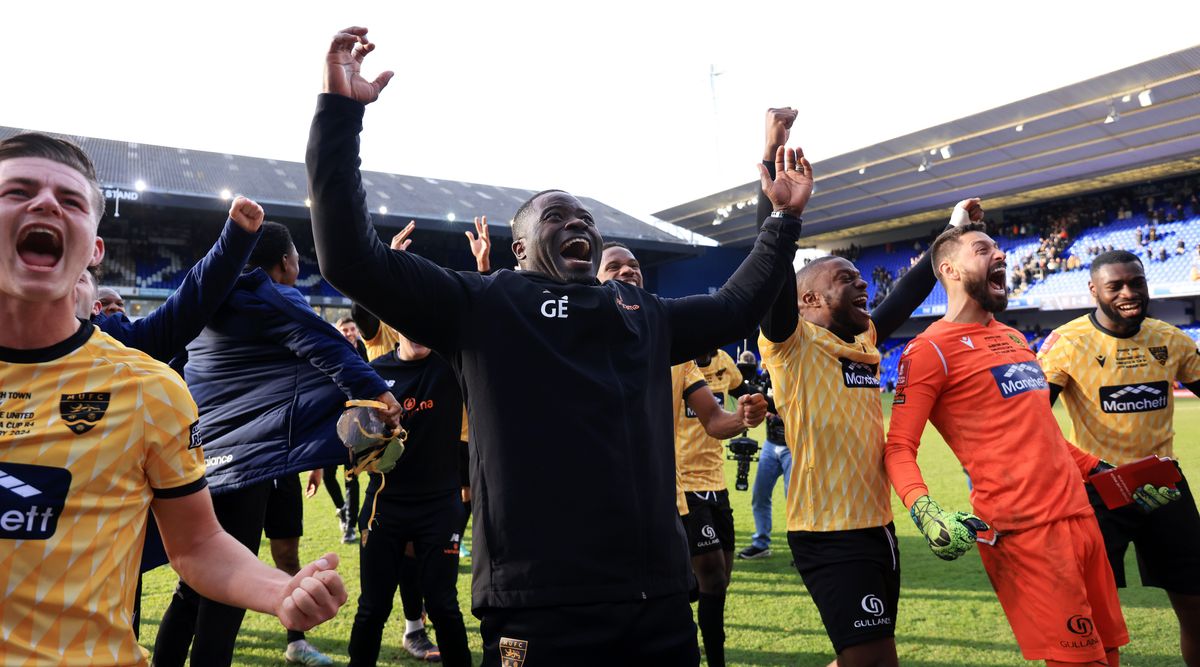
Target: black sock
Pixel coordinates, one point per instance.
(711, 615)
(294, 636)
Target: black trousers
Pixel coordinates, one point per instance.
(433, 527)
(211, 628)
(658, 632)
(331, 477)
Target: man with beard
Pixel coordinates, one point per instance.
(561, 374)
(819, 346)
(1114, 368)
(980, 385)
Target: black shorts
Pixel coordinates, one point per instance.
(709, 521)
(854, 579)
(285, 509)
(658, 631)
(1167, 541)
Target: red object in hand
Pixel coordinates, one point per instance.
(1116, 486)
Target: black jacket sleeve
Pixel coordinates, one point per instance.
(703, 322)
(784, 315)
(909, 293)
(368, 324)
(419, 299)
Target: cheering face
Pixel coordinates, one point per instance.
(845, 295)
(48, 227)
(983, 271)
(559, 239)
(619, 264)
(1121, 292)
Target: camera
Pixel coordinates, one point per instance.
(744, 450)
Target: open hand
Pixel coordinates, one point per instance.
(313, 596)
(246, 214)
(481, 246)
(793, 184)
(342, 65)
(401, 241)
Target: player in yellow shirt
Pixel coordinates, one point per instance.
(818, 344)
(94, 435)
(701, 422)
(1115, 369)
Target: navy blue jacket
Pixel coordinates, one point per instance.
(167, 330)
(270, 378)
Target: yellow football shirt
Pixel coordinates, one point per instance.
(91, 431)
(1118, 391)
(699, 457)
(383, 342)
(827, 393)
(685, 379)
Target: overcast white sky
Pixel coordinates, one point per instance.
(610, 100)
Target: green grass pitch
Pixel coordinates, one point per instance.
(948, 613)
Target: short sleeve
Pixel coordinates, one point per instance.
(1188, 370)
(1055, 357)
(174, 457)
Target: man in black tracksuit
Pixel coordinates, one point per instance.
(579, 554)
(418, 501)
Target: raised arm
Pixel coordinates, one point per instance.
(911, 290)
(700, 323)
(784, 314)
(167, 330)
(415, 296)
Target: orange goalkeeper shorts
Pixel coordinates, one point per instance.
(1057, 590)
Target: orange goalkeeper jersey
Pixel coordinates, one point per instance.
(982, 388)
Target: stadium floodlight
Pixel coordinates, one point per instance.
(1144, 98)
(717, 221)
(933, 151)
(307, 203)
(862, 170)
(741, 205)
(924, 164)
(450, 217)
(1020, 127)
(382, 210)
(1126, 98)
(226, 194)
(1113, 116)
(139, 185)
(946, 152)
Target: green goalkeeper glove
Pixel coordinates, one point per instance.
(950, 534)
(1150, 497)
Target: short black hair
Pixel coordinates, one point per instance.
(519, 219)
(949, 240)
(1113, 257)
(614, 244)
(810, 270)
(273, 244)
(36, 144)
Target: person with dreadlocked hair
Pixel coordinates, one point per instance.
(270, 378)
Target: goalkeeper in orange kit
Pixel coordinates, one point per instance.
(978, 382)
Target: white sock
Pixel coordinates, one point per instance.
(413, 626)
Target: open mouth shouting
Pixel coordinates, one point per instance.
(577, 252)
(997, 279)
(40, 246)
(860, 302)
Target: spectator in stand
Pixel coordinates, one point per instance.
(1162, 254)
(1180, 248)
(110, 300)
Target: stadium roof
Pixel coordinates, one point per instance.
(1131, 125)
(198, 178)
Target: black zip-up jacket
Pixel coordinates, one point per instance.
(567, 388)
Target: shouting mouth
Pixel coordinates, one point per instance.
(40, 246)
(577, 251)
(998, 279)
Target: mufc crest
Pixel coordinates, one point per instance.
(1159, 353)
(81, 412)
